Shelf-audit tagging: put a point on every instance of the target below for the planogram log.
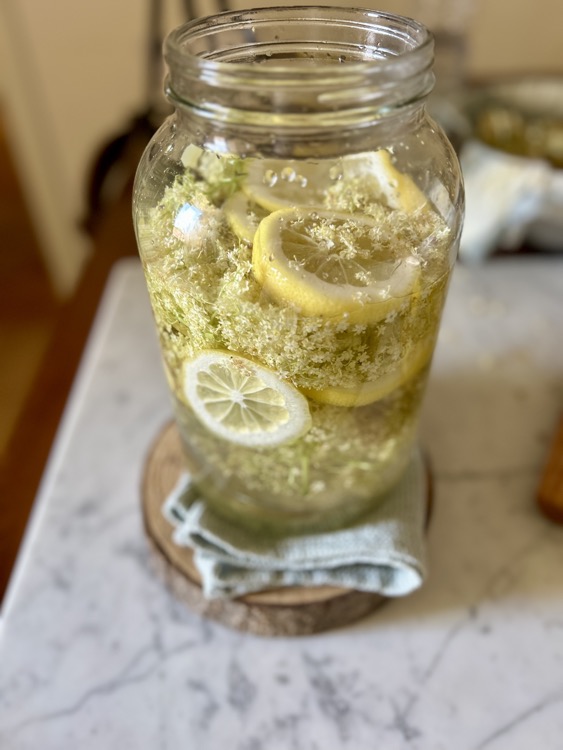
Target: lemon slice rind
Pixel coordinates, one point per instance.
(398, 189)
(243, 216)
(368, 393)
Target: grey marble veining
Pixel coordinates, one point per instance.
(95, 653)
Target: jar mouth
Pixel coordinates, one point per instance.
(298, 60)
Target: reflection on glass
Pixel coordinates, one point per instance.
(186, 221)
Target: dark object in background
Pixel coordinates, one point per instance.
(115, 163)
(550, 491)
(522, 117)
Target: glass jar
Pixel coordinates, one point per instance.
(298, 217)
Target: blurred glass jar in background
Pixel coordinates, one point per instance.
(449, 22)
(297, 218)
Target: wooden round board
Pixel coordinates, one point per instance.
(283, 612)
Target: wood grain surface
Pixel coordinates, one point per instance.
(281, 612)
(550, 491)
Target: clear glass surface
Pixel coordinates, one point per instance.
(298, 218)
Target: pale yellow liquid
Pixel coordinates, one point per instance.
(205, 297)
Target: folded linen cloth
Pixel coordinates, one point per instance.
(383, 552)
(504, 194)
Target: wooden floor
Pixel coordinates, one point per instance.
(28, 315)
(28, 307)
(41, 341)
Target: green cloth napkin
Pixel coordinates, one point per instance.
(383, 552)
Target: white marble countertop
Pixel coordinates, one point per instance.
(95, 653)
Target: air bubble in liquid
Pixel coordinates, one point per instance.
(302, 181)
(335, 173)
(270, 177)
(288, 174)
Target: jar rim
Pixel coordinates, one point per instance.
(181, 44)
(280, 67)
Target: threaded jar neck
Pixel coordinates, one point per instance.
(299, 68)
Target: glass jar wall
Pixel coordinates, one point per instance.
(297, 219)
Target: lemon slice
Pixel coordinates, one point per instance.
(276, 184)
(243, 402)
(243, 216)
(379, 176)
(367, 393)
(332, 265)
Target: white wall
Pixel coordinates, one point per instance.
(73, 74)
(505, 35)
